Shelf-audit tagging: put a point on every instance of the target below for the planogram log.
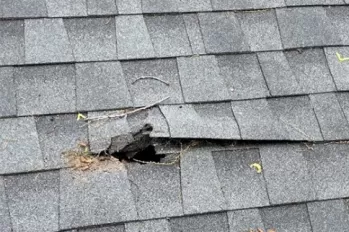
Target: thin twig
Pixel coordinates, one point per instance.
(151, 78)
(126, 113)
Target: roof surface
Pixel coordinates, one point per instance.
(270, 75)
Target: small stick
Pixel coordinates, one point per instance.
(152, 78)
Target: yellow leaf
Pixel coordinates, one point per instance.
(81, 116)
(340, 58)
(257, 167)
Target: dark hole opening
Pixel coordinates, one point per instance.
(148, 154)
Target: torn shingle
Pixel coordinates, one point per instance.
(287, 174)
(278, 74)
(194, 33)
(101, 86)
(168, 34)
(197, 75)
(101, 7)
(333, 123)
(46, 41)
(119, 228)
(66, 8)
(242, 186)
(245, 220)
(33, 201)
(7, 94)
(201, 189)
(222, 33)
(246, 4)
(286, 218)
(45, 89)
(12, 42)
(242, 76)
(201, 223)
(129, 6)
(22, 9)
(156, 190)
(92, 39)
(5, 221)
(19, 144)
(133, 40)
(339, 70)
(59, 134)
(161, 225)
(96, 197)
(211, 121)
(329, 215)
(261, 30)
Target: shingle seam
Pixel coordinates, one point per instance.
(40, 145)
(310, 221)
(7, 203)
(59, 200)
(235, 119)
(265, 180)
(263, 74)
(341, 108)
(181, 185)
(329, 69)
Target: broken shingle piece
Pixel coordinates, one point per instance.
(46, 41)
(23, 9)
(246, 4)
(66, 8)
(7, 94)
(101, 86)
(92, 39)
(211, 121)
(33, 201)
(101, 7)
(5, 221)
(339, 68)
(244, 220)
(45, 89)
(19, 146)
(201, 189)
(161, 225)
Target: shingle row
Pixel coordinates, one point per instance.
(55, 40)
(209, 180)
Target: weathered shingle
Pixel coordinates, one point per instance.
(261, 30)
(201, 189)
(156, 6)
(212, 121)
(120, 228)
(12, 42)
(156, 190)
(339, 69)
(245, 220)
(45, 89)
(161, 225)
(101, 86)
(20, 150)
(5, 220)
(66, 8)
(92, 39)
(201, 79)
(150, 81)
(129, 6)
(343, 99)
(96, 197)
(194, 5)
(242, 186)
(101, 7)
(46, 41)
(168, 34)
(33, 201)
(339, 18)
(194, 33)
(222, 33)
(312, 2)
(243, 4)
(7, 94)
(22, 8)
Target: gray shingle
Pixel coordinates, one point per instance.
(194, 33)
(66, 8)
(22, 8)
(156, 6)
(100, 86)
(312, 2)
(287, 175)
(201, 189)
(95, 197)
(339, 70)
(133, 38)
(20, 150)
(45, 89)
(201, 79)
(101, 7)
(129, 6)
(46, 41)
(245, 220)
(156, 190)
(287, 218)
(202, 223)
(11, 42)
(278, 74)
(328, 168)
(161, 225)
(222, 33)
(243, 4)
(212, 121)
(5, 221)
(333, 123)
(7, 94)
(58, 134)
(33, 201)
(145, 89)
(261, 30)
(194, 5)
(168, 35)
(92, 39)
(243, 76)
(311, 69)
(120, 228)
(329, 215)
(242, 186)
(343, 99)
(339, 18)
(306, 27)
(100, 132)
(297, 117)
